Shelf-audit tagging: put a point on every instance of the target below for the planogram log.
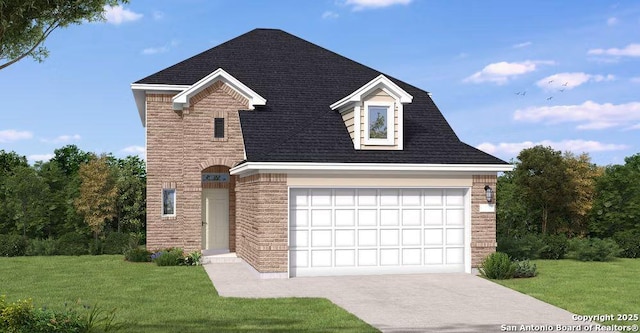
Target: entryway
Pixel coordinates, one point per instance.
(215, 219)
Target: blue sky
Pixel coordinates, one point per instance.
(506, 74)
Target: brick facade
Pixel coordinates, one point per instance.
(180, 146)
(483, 225)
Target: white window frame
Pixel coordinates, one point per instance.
(164, 190)
(389, 141)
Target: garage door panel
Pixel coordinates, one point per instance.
(374, 231)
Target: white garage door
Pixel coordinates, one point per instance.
(374, 231)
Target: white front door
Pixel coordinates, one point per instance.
(215, 219)
(378, 230)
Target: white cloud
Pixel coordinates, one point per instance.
(371, 4)
(576, 146)
(40, 157)
(570, 80)
(135, 150)
(589, 115)
(330, 15)
(117, 15)
(161, 49)
(158, 15)
(635, 79)
(63, 139)
(635, 127)
(521, 45)
(502, 72)
(612, 21)
(13, 135)
(631, 50)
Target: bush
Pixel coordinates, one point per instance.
(168, 257)
(629, 242)
(593, 249)
(497, 266)
(521, 248)
(555, 247)
(42, 247)
(137, 254)
(193, 259)
(22, 316)
(73, 244)
(12, 245)
(524, 269)
(116, 243)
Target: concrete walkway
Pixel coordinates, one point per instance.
(404, 303)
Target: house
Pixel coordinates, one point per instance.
(303, 162)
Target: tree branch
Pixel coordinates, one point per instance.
(44, 36)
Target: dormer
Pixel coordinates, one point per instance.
(373, 114)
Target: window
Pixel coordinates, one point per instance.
(379, 118)
(218, 128)
(169, 202)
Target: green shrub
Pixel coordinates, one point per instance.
(42, 247)
(168, 257)
(116, 243)
(593, 249)
(137, 254)
(629, 242)
(522, 247)
(73, 244)
(555, 247)
(497, 266)
(12, 245)
(524, 269)
(193, 259)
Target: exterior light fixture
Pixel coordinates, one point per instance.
(488, 193)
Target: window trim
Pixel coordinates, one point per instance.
(389, 141)
(162, 211)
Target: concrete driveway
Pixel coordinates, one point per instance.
(405, 303)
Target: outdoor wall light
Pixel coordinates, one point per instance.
(489, 193)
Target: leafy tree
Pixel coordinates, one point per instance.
(9, 163)
(26, 24)
(541, 178)
(97, 199)
(513, 218)
(616, 206)
(28, 196)
(131, 202)
(581, 183)
(69, 158)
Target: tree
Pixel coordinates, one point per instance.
(131, 202)
(541, 178)
(97, 199)
(581, 183)
(616, 206)
(28, 195)
(513, 218)
(10, 162)
(26, 24)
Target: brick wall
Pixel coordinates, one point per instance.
(262, 222)
(180, 145)
(483, 225)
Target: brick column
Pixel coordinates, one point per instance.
(483, 225)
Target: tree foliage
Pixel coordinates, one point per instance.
(26, 24)
(97, 199)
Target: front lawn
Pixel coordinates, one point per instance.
(586, 288)
(163, 299)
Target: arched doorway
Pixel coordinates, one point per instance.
(216, 187)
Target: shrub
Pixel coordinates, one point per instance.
(42, 247)
(137, 254)
(629, 242)
(116, 243)
(524, 269)
(193, 259)
(168, 257)
(594, 249)
(520, 248)
(73, 244)
(555, 247)
(12, 245)
(497, 266)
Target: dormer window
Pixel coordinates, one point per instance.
(379, 120)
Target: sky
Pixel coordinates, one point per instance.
(507, 75)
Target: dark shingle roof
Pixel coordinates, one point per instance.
(300, 80)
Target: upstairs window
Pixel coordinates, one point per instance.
(218, 128)
(379, 122)
(169, 202)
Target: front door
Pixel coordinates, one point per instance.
(215, 219)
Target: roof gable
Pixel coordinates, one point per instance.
(380, 82)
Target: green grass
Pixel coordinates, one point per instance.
(586, 288)
(163, 299)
